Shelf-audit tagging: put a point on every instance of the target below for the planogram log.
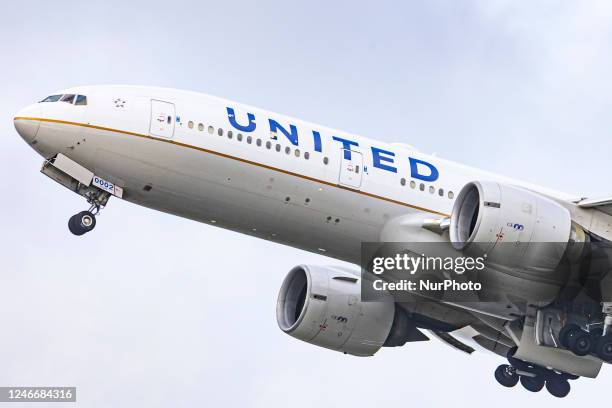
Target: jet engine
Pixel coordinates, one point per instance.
(322, 306)
(511, 225)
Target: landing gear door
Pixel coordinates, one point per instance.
(162, 119)
(351, 168)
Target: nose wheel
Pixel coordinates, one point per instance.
(85, 221)
(81, 223)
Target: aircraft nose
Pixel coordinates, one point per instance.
(27, 122)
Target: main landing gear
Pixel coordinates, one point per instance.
(85, 221)
(582, 342)
(533, 377)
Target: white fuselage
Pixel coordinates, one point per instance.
(173, 151)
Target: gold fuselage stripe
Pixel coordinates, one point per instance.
(227, 156)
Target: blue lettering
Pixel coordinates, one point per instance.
(232, 119)
(414, 170)
(292, 136)
(317, 141)
(377, 159)
(346, 145)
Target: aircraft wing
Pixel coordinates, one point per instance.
(602, 204)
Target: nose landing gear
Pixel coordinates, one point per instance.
(85, 221)
(81, 223)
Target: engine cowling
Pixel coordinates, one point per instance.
(322, 306)
(510, 225)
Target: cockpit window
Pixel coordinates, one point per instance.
(81, 100)
(68, 98)
(72, 99)
(52, 98)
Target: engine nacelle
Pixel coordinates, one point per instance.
(322, 306)
(511, 225)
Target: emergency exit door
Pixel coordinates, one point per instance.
(351, 168)
(162, 119)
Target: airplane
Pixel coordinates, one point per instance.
(322, 190)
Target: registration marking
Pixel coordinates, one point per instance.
(107, 186)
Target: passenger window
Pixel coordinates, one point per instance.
(412, 184)
(230, 134)
(52, 98)
(81, 100)
(220, 132)
(306, 155)
(441, 192)
(190, 124)
(432, 189)
(403, 181)
(258, 142)
(297, 152)
(278, 147)
(249, 139)
(239, 137)
(200, 127)
(68, 98)
(211, 130)
(268, 145)
(451, 195)
(422, 187)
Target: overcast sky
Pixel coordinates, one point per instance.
(152, 310)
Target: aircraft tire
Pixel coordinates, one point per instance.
(82, 223)
(558, 387)
(533, 384)
(603, 347)
(567, 332)
(580, 343)
(74, 227)
(505, 377)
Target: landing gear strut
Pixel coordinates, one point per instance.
(85, 221)
(532, 377)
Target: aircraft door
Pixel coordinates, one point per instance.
(162, 119)
(351, 168)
